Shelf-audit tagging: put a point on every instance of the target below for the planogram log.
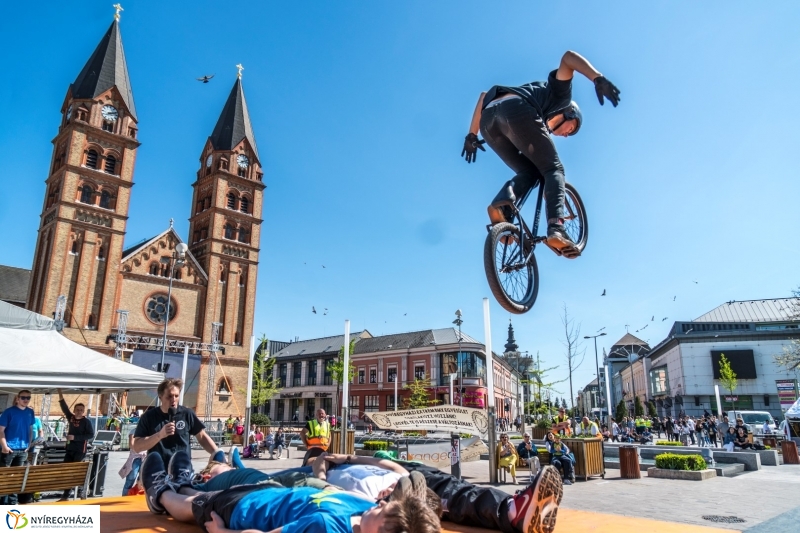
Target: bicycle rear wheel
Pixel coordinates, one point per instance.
(514, 282)
(575, 221)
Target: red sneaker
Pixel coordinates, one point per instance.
(537, 505)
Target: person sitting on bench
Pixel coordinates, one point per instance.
(560, 457)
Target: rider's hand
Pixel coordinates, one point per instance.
(167, 430)
(471, 146)
(603, 87)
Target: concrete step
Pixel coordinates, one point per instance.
(723, 470)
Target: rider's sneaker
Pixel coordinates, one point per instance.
(558, 240)
(156, 481)
(537, 505)
(412, 485)
(180, 470)
(499, 214)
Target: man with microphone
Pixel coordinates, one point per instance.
(167, 429)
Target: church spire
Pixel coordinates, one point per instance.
(234, 121)
(105, 69)
(511, 345)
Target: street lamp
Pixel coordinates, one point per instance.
(178, 258)
(458, 322)
(596, 363)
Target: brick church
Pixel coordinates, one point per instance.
(112, 286)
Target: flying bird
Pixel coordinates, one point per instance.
(695, 281)
(645, 327)
(205, 78)
(673, 298)
(652, 318)
(601, 329)
(404, 314)
(323, 266)
(604, 293)
(313, 310)
(663, 319)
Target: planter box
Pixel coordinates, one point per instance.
(538, 433)
(688, 475)
(588, 457)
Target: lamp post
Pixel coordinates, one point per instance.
(596, 363)
(178, 258)
(458, 322)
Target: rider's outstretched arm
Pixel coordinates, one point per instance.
(475, 125)
(572, 61)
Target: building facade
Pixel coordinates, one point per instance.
(380, 364)
(81, 255)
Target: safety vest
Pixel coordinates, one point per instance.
(559, 420)
(587, 430)
(318, 435)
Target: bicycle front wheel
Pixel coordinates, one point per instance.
(513, 280)
(575, 221)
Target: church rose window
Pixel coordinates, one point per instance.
(156, 308)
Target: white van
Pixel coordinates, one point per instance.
(754, 420)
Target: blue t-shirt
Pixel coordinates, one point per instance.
(17, 423)
(37, 426)
(299, 510)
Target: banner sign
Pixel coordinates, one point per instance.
(449, 418)
(787, 392)
(52, 518)
(440, 454)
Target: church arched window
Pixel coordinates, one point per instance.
(231, 200)
(105, 200)
(229, 231)
(90, 323)
(86, 195)
(178, 274)
(154, 268)
(244, 205)
(244, 235)
(91, 158)
(74, 249)
(101, 253)
(111, 164)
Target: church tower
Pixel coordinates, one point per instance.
(83, 220)
(225, 224)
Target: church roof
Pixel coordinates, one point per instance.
(14, 284)
(128, 252)
(106, 68)
(233, 124)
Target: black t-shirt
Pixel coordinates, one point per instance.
(547, 97)
(186, 424)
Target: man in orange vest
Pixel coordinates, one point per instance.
(317, 433)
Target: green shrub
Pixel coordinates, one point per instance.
(376, 445)
(542, 424)
(515, 437)
(259, 419)
(668, 443)
(767, 447)
(673, 461)
(412, 434)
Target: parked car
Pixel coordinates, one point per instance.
(754, 420)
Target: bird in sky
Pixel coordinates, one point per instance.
(205, 78)
(673, 298)
(323, 266)
(604, 293)
(663, 319)
(601, 329)
(404, 314)
(652, 318)
(325, 313)
(313, 310)
(645, 327)
(695, 281)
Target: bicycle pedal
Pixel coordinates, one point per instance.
(555, 250)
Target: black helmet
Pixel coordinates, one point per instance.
(572, 111)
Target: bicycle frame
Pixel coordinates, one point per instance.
(524, 231)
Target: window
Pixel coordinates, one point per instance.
(392, 374)
(244, 235)
(231, 200)
(179, 275)
(223, 164)
(229, 231)
(390, 402)
(199, 206)
(244, 205)
(74, 249)
(154, 268)
(659, 381)
(90, 324)
(111, 165)
(311, 377)
(373, 375)
(195, 236)
(91, 159)
(327, 378)
(281, 410)
(207, 202)
(156, 309)
(419, 371)
(282, 375)
(101, 253)
(371, 404)
(361, 376)
(132, 133)
(86, 195)
(242, 172)
(105, 200)
(108, 126)
(297, 376)
(354, 403)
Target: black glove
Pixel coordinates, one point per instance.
(471, 145)
(603, 87)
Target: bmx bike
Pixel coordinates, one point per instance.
(508, 255)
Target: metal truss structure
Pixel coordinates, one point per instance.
(212, 370)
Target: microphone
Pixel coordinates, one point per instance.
(172, 411)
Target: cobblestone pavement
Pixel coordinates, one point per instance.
(767, 500)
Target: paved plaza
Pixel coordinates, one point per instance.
(767, 500)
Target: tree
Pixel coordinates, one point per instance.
(638, 408)
(727, 377)
(419, 398)
(542, 388)
(574, 354)
(651, 409)
(790, 357)
(336, 369)
(621, 411)
(264, 386)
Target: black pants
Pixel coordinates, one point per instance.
(223, 502)
(516, 132)
(15, 458)
(465, 503)
(72, 457)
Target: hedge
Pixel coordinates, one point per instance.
(376, 445)
(673, 461)
(668, 443)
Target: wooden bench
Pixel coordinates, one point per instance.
(44, 478)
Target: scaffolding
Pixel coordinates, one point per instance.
(212, 370)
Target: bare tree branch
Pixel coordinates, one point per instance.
(575, 352)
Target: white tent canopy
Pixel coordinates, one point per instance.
(40, 359)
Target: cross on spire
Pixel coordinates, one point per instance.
(241, 68)
(118, 8)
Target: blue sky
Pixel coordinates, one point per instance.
(360, 110)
